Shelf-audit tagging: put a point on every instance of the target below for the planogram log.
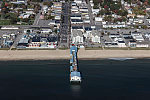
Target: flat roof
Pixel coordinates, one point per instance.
(75, 73)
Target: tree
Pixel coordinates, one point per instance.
(36, 0)
(3, 9)
(25, 20)
(144, 27)
(47, 3)
(108, 18)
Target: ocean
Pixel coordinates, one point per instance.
(102, 79)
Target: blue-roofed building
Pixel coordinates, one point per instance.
(75, 77)
(73, 48)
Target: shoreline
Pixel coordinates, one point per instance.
(6, 55)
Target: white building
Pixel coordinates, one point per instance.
(132, 44)
(45, 9)
(83, 9)
(21, 1)
(76, 16)
(95, 11)
(77, 28)
(140, 16)
(57, 17)
(137, 36)
(98, 19)
(114, 26)
(77, 36)
(95, 36)
(86, 21)
(78, 1)
(46, 30)
(76, 21)
(142, 44)
(114, 35)
(121, 44)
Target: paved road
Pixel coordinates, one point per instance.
(64, 28)
(19, 36)
(90, 13)
(37, 18)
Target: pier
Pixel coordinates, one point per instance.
(75, 75)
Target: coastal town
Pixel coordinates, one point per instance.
(89, 24)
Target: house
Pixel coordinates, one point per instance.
(131, 15)
(148, 8)
(132, 43)
(57, 4)
(83, 9)
(57, 17)
(24, 15)
(88, 29)
(46, 30)
(98, 19)
(114, 35)
(143, 44)
(28, 30)
(9, 28)
(95, 11)
(111, 44)
(91, 3)
(29, 12)
(137, 36)
(86, 17)
(73, 4)
(86, 21)
(84, 12)
(74, 9)
(52, 22)
(77, 37)
(57, 22)
(114, 26)
(95, 36)
(121, 44)
(140, 16)
(78, 1)
(76, 21)
(21, 1)
(130, 11)
(77, 28)
(76, 16)
(45, 9)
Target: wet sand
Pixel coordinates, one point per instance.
(64, 54)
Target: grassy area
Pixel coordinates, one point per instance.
(107, 48)
(4, 48)
(36, 49)
(5, 22)
(63, 48)
(94, 48)
(139, 48)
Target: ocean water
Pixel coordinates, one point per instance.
(107, 79)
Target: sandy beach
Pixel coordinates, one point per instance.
(64, 54)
